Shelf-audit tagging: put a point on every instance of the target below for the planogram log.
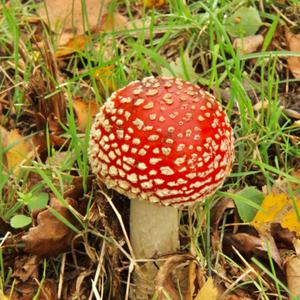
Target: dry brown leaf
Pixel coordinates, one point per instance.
(26, 275)
(250, 245)
(27, 291)
(50, 237)
(49, 290)
(21, 148)
(164, 284)
(293, 272)
(283, 185)
(282, 236)
(26, 268)
(196, 276)
(208, 291)
(114, 22)
(248, 44)
(293, 41)
(68, 16)
(217, 213)
(110, 22)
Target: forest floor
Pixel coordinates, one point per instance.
(63, 235)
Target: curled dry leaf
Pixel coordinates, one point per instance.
(196, 279)
(164, 282)
(250, 245)
(217, 214)
(19, 148)
(282, 236)
(218, 211)
(50, 237)
(248, 44)
(293, 41)
(293, 271)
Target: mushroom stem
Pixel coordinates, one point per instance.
(153, 231)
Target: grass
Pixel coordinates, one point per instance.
(263, 138)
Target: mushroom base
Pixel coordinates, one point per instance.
(153, 231)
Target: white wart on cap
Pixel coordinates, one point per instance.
(162, 140)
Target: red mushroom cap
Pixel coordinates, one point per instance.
(162, 140)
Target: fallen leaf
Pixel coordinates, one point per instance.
(248, 44)
(154, 3)
(196, 276)
(284, 185)
(247, 212)
(182, 68)
(104, 77)
(49, 290)
(218, 211)
(292, 268)
(282, 236)
(85, 112)
(109, 23)
(208, 291)
(28, 291)
(244, 22)
(250, 245)
(67, 17)
(20, 149)
(50, 237)
(74, 44)
(164, 282)
(26, 277)
(26, 267)
(2, 296)
(278, 208)
(114, 22)
(293, 41)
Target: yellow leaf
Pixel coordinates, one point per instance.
(73, 45)
(104, 76)
(19, 148)
(84, 111)
(278, 208)
(2, 296)
(154, 3)
(208, 291)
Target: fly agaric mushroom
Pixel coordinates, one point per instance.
(162, 142)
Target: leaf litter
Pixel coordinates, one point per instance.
(234, 231)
